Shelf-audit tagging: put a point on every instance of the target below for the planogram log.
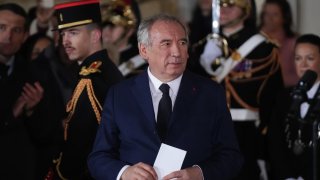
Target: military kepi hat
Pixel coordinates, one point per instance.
(77, 13)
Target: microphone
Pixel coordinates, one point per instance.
(314, 110)
(299, 93)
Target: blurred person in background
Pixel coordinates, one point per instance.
(41, 17)
(120, 19)
(290, 142)
(57, 76)
(17, 152)
(201, 22)
(246, 63)
(276, 22)
(35, 45)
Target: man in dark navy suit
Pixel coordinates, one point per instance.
(129, 139)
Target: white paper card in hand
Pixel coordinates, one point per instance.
(169, 159)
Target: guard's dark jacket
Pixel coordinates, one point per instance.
(252, 84)
(82, 126)
(257, 88)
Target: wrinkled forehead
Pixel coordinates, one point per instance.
(168, 27)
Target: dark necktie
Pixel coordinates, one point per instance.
(3, 71)
(164, 112)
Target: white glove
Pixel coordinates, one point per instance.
(210, 53)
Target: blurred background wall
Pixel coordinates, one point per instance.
(306, 13)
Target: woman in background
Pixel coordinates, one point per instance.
(276, 22)
(290, 139)
(34, 45)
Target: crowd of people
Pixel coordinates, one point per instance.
(90, 90)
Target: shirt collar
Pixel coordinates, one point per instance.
(313, 90)
(174, 84)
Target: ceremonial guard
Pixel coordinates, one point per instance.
(120, 20)
(245, 62)
(79, 27)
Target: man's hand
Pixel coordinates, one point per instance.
(192, 173)
(139, 171)
(32, 95)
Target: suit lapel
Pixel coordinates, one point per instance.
(183, 104)
(141, 92)
(185, 98)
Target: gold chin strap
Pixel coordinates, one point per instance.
(84, 83)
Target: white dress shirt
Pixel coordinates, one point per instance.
(156, 94)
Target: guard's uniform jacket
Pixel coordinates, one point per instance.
(251, 89)
(253, 83)
(97, 74)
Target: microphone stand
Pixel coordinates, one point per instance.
(315, 131)
(313, 114)
(314, 118)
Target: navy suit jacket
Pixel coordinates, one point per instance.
(200, 124)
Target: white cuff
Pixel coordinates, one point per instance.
(121, 171)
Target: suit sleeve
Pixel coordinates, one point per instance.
(226, 160)
(102, 161)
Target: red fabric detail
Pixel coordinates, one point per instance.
(77, 3)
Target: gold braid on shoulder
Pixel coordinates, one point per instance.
(84, 83)
(270, 61)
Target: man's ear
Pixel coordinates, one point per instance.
(96, 35)
(143, 51)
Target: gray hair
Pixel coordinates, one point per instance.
(143, 33)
